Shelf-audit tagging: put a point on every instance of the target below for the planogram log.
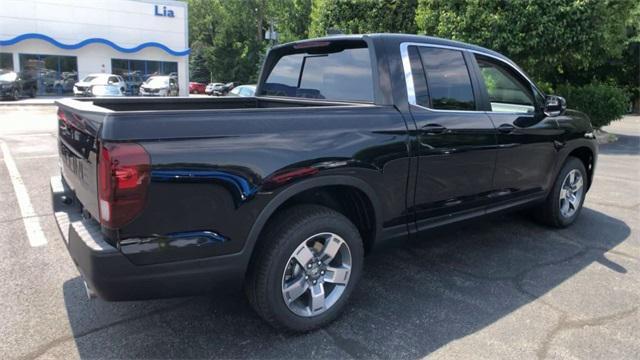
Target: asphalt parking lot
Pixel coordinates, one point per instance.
(499, 287)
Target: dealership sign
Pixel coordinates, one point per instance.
(164, 12)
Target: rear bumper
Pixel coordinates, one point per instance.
(113, 277)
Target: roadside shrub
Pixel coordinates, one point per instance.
(603, 103)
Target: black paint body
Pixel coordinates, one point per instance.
(214, 160)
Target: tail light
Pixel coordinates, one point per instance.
(123, 178)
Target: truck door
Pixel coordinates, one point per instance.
(455, 142)
(527, 138)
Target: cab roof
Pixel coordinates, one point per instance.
(400, 38)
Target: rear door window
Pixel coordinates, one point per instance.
(344, 75)
(448, 84)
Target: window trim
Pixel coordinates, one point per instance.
(408, 75)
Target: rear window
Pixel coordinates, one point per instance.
(448, 84)
(343, 75)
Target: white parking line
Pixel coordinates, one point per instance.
(29, 216)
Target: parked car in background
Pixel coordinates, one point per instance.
(160, 86)
(65, 83)
(81, 87)
(209, 89)
(104, 91)
(13, 85)
(197, 88)
(243, 90)
(223, 90)
(218, 89)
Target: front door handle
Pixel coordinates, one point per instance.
(506, 128)
(433, 129)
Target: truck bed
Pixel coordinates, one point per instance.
(108, 105)
(211, 134)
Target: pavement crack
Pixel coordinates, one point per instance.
(565, 324)
(41, 350)
(6, 221)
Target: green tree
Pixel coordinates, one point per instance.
(554, 40)
(363, 16)
(227, 36)
(291, 18)
(198, 70)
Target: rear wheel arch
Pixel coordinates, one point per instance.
(325, 188)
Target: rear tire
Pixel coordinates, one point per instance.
(564, 203)
(314, 250)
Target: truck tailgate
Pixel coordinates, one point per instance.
(78, 150)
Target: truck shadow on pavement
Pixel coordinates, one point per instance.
(415, 297)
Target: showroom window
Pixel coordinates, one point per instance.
(54, 75)
(6, 61)
(135, 72)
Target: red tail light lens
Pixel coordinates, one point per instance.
(124, 171)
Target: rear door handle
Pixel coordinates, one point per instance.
(433, 129)
(506, 128)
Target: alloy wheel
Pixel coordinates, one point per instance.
(571, 193)
(316, 274)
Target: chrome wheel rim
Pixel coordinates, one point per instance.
(571, 193)
(316, 274)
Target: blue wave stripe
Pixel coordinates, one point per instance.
(86, 42)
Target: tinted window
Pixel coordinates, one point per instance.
(6, 61)
(448, 79)
(507, 92)
(344, 75)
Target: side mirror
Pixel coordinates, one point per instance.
(554, 105)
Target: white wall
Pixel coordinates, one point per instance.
(128, 23)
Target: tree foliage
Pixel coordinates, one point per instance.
(558, 42)
(554, 40)
(603, 103)
(363, 16)
(228, 35)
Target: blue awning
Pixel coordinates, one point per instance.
(86, 42)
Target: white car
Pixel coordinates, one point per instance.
(209, 89)
(159, 86)
(80, 88)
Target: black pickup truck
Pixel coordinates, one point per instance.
(350, 140)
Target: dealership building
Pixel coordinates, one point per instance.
(58, 42)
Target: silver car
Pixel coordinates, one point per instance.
(159, 86)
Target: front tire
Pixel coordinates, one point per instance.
(305, 268)
(564, 203)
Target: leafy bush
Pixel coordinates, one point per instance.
(603, 103)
